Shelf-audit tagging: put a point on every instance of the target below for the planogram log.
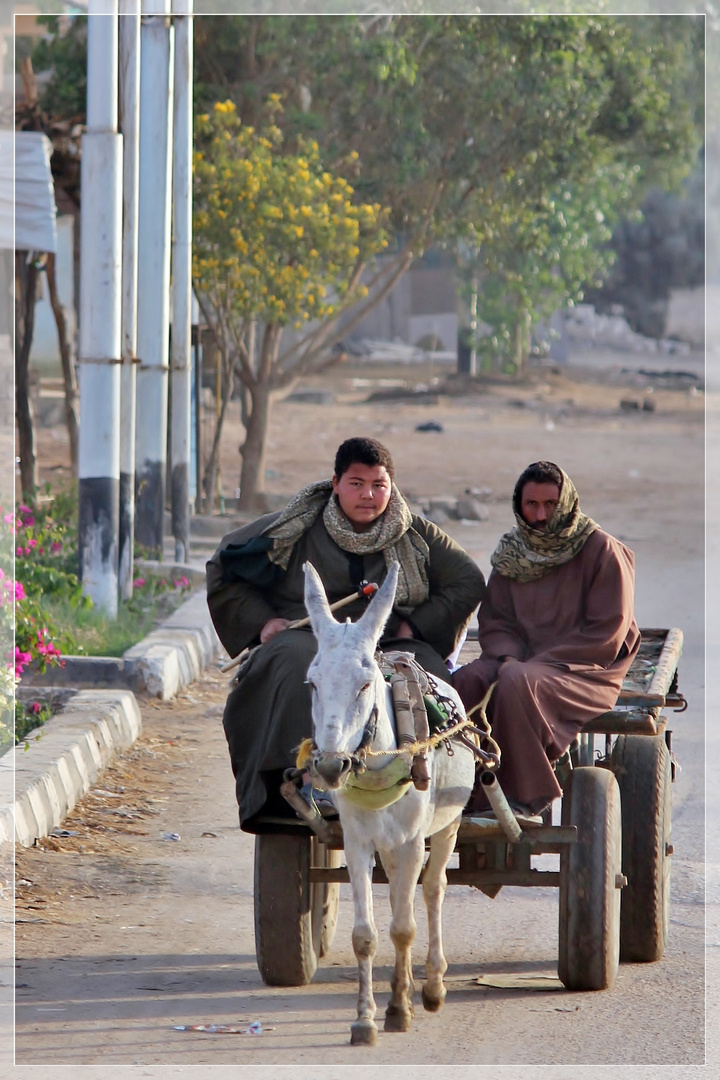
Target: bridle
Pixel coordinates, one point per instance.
(356, 759)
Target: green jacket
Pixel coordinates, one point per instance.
(240, 607)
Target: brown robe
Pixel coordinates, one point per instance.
(268, 710)
(566, 641)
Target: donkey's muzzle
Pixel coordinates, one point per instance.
(332, 769)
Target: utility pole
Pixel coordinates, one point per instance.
(181, 279)
(100, 288)
(129, 24)
(156, 109)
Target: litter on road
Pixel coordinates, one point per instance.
(255, 1028)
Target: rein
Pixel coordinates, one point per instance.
(490, 758)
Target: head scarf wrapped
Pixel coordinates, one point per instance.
(526, 554)
(392, 533)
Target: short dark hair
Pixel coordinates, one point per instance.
(363, 451)
(540, 472)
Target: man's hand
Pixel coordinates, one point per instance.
(272, 627)
(404, 630)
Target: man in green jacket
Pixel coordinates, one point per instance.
(351, 528)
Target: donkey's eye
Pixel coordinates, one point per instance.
(364, 689)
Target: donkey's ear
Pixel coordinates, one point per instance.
(316, 605)
(378, 613)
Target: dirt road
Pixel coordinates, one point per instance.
(123, 935)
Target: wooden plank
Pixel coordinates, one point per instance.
(617, 722)
(667, 663)
(530, 878)
(490, 830)
(639, 699)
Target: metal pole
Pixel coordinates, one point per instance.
(181, 280)
(100, 289)
(129, 26)
(153, 273)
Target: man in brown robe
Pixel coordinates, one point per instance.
(557, 633)
(351, 529)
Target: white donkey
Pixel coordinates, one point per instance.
(352, 710)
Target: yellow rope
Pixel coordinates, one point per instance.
(307, 746)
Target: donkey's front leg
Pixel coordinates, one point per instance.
(360, 863)
(434, 885)
(403, 868)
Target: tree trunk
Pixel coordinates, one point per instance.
(522, 344)
(211, 469)
(69, 379)
(252, 473)
(25, 290)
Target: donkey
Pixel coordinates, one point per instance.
(352, 710)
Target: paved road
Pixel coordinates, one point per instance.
(124, 935)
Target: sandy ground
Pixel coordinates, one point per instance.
(121, 935)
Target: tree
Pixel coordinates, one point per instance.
(539, 259)
(279, 242)
(448, 120)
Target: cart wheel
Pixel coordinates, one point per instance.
(641, 764)
(326, 899)
(294, 919)
(590, 881)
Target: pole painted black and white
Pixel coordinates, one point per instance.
(129, 33)
(180, 355)
(100, 289)
(154, 207)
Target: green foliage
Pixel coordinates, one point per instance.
(440, 106)
(43, 612)
(95, 634)
(64, 53)
(277, 237)
(538, 259)
(45, 568)
(28, 717)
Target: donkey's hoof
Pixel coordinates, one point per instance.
(398, 1019)
(433, 1004)
(363, 1033)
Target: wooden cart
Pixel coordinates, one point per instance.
(614, 843)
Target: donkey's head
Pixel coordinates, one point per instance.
(344, 678)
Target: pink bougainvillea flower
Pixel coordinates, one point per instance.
(22, 659)
(56, 545)
(139, 582)
(32, 543)
(19, 549)
(35, 707)
(19, 590)
(181, 583)
(9, 519)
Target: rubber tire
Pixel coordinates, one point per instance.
(589, 945)
(642, 767)
(288, 924)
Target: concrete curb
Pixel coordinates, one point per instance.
(173, 656)
(40, 785)
(169, 658)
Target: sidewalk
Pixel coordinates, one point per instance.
(42, 779)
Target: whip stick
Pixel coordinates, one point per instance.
(366, 589)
